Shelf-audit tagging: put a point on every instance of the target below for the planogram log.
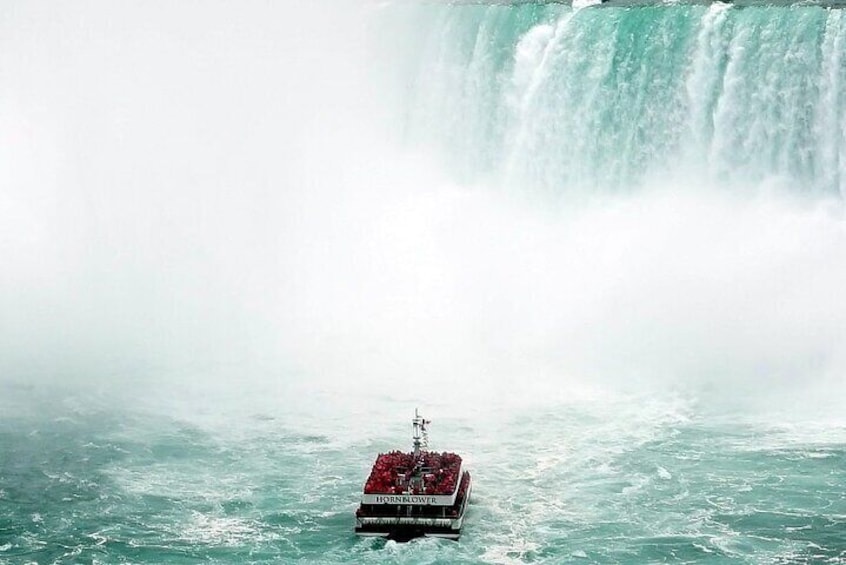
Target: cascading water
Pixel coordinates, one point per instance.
(610, 98)
(602, 247)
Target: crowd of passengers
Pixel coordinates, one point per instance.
(440, 472)
(433, 511)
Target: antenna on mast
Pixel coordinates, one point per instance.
(421, 434)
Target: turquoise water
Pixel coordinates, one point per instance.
(602, 249)
(605, 479)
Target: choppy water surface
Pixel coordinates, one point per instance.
(605, 478)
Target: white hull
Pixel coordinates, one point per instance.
(387, 534)
(388, 526)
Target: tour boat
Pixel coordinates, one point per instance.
(421, 493)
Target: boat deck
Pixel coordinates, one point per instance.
(391, 471)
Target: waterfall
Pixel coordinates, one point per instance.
(566, 100)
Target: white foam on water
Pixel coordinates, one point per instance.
(209, 529)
